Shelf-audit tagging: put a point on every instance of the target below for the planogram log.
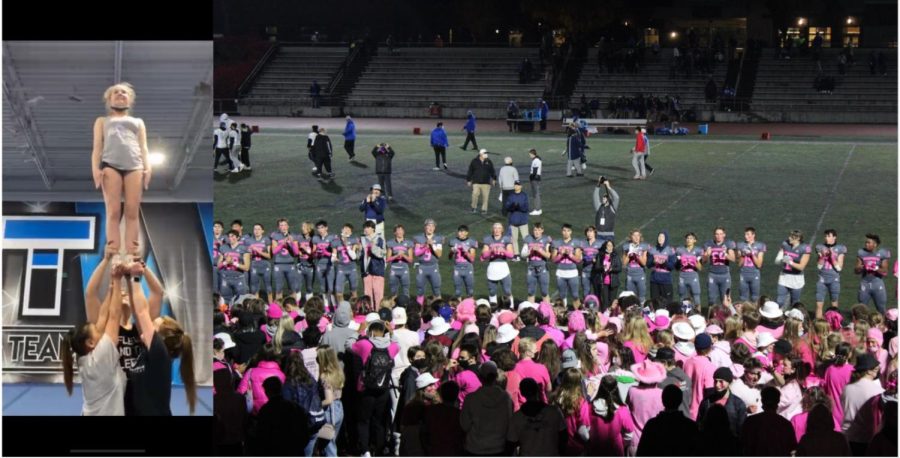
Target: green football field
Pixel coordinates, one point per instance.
(699, 183)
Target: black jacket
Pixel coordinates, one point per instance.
(481, 172)
(615, 266)
(669, 434)
(383, 159)
(737, 410)
(321, 146)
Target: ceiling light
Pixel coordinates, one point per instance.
(157, 158)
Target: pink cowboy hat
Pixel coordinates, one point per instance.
(649, 372)
(466, 310)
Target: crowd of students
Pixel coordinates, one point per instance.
(467, 376)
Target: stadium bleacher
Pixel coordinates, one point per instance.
(784, 89)
(406, 82)
(652, 79)
(286, 77)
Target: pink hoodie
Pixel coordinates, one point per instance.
(254, 378)
(468, 383)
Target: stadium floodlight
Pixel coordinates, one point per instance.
(673, 35)
(849, 20)
(801, 21)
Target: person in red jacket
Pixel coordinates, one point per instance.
(639, 155)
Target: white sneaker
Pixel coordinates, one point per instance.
(536, 212)
(248, 168)
(235, 170)
(435, 168)
(366, 455)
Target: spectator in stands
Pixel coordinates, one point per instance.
(481, 177)
(384, 155)
(506, 178)
(525, 71)
(438, 42)
(322, 152)
(545, 111)
(246, 133)
(314, 93)
(350, 137)
(512, 112)
(873, 62)
(470, 131)
(389, 42)
(711, 91)
(882, 63)
(440, 144)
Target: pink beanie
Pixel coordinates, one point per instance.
(506, 317)
(576, 322)
(466, 310)
(876, 335)
(547, 311)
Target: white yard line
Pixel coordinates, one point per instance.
(830, 198)
(685, 194)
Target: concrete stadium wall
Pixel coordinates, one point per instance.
(763, 116)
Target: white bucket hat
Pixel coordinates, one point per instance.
(506, 333)
(771, 310)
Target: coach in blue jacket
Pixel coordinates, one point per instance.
(470, 131)
(516, 206)
(440, 143)
(350, 137)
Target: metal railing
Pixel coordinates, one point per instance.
(248, 81)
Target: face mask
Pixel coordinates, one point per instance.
(420, 363)
(465, 364)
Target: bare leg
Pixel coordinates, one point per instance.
(134, 189)
(112, 196)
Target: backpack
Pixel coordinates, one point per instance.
(307, 397)
(376, 374)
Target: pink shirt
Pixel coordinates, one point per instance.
(554, 334)
(640, 354)
(254, 381)
(581, 417)
(468, 382)
(527, 368)
(836, 378)
(645, 403)
(791, 397)
(721, 354)
(700, 370)
(802, 348)
(776, 332)
(799, 423)
(607, 437)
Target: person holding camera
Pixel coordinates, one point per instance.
(384, 156)
(605, 209)
(373, 208)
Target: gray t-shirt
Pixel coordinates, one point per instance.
(260, 245)
(236, 255)
(590, 251)
(323, 249)
(688, 259)
(102, 380)
(746, 253)
(718, 256)
(826, 262)
(535, 260)
(633, 267)
(497, 245)
(121, 148)
(282, 251)
(428, 258)
(343, 250)
(398, 248)
(460, 249)
(568, 248)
